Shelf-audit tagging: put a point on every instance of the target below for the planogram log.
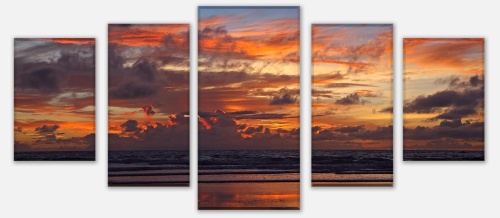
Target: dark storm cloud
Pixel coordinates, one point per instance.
(315, 129)
(47, 129)
(85, 143)
(133, 89)
(43, 79)
(386, 110)
(131, 126)
(21, 147)
(143, 79)
(283, 99)
(461, 99)
(349, 129)
(379, 133)
(350, 99)
(155, 136)
(139, 81)
(148, 110)
(242, 126)
(250, 130)
(447, 129)
(219, 131)
(444, 144)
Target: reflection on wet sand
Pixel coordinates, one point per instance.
(261, 195)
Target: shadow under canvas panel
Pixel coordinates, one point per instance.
(248, 129)
(444, 99)
(352, 132)
(148, 127)
(54, 103)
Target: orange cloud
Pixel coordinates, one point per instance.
(147, 35)
(72, 40)
(267, 40)
(463, 55)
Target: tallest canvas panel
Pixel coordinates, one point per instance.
(248, 107)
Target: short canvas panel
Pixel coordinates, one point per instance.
(443, 105)
(248, 108)
(54, 99)
(148, 126)
(352, 131)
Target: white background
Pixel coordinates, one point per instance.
(45, 189)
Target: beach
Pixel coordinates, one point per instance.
(244, 195)
(331, 179)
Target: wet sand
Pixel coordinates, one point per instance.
(248, 196)
(332, 179)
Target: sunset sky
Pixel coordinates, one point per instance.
(444, 94)
(148, 68)
(249, 75)
(54, 88)
(352, 86)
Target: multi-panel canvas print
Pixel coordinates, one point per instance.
(352, 132)
(148, 126)
(248, 108)
(443, 99)
(54, 103)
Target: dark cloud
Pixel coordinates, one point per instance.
(283, 99)
(250, 130)
(157, 136)
(47, 129)
(43, 79)
(447, 129)
(51, 67)
(350, 99)
(460, 100)
(131, 126)
(139, 81)
(386, 110)
(21, 147)
(379, 133)
(132, 89)
(18, 129)
(315, 129)
(453, 123)
(349, 129)
(220, 131)
(148, 110)
(444, 144)
(242, 126)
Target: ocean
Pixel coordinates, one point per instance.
(248, 166)
(417, 155)
(352, 166)
(148, 168)
(55, 156)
